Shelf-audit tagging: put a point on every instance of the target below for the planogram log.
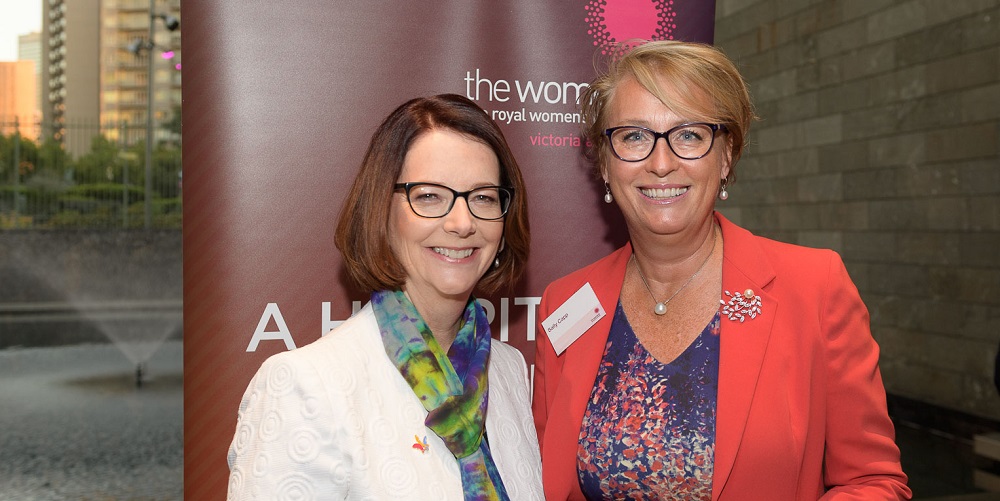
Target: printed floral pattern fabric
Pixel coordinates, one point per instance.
(649, 428)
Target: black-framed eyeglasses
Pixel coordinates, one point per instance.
(691, 141)
(434, 200)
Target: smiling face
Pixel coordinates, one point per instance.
(444, 258)
(662, 194)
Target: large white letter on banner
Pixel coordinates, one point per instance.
(282, 333)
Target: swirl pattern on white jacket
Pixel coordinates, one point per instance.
(335, 420)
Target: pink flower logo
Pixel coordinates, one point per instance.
(615, 21)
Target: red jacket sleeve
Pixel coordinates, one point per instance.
(861, 459)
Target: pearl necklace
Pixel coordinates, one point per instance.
(661, 307)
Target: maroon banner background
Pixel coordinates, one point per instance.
(280, 100)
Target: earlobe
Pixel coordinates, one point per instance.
(727, 168)
(496, 258)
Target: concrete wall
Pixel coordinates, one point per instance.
(72, 286)
(879, 138)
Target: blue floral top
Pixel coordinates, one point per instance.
(649, 428)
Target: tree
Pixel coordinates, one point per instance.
(100, 164)
(174, 124)
(25, 156)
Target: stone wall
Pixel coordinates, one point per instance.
(72, 286)
(879, 139)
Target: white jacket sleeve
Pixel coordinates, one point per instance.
(286, 441)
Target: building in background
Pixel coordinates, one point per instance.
(29, 48)
(125, 55)
(70, 70)
(92, 80)
(17, 98)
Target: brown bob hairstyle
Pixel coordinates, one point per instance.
(363, 228)
(678, 74)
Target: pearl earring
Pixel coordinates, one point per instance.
(496, 262)
(723, 194)
(607, 194)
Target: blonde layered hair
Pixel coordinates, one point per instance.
(679, 74)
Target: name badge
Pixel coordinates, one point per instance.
(573, 318)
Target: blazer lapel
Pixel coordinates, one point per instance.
(743, 344)
(583, 357)
(587, 351)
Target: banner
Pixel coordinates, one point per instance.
(280, 101)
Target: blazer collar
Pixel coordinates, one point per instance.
(579, 365)
(587, 351)
(743, 343)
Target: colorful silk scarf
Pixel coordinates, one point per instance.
(452, 387)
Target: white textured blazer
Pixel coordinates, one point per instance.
(335, 420)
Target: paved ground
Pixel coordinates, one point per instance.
(73, 425)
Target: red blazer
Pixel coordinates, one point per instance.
(801, 412)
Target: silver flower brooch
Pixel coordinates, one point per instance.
(741, 306)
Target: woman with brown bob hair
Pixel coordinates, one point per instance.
(365, 246)
(410, 398)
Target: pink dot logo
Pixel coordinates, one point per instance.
(615, 21)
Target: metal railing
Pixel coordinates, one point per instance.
(80, 175)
